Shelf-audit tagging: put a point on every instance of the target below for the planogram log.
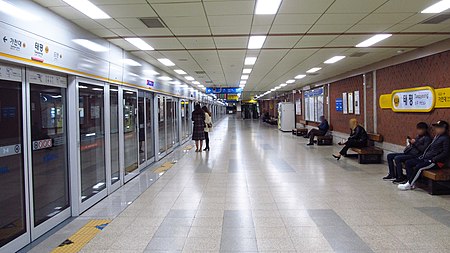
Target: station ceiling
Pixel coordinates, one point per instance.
(208, 39)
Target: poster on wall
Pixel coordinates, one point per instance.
(339, 105)
(350, 103)
(298, 107)
(357, 105)
(344, 103)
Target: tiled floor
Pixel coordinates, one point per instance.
(260, 190)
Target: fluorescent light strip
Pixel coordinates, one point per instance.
(283, 85)
(438, 7)
(250, 60)
(12, 10)
(290, 81)
(180, 71)
(243, 82)
(334, 59)
(88, 9)
(91, 45)
(189, 78)
(373, 40)
(131, 62)
(242, 86)
(196, 82)
(164, 78)
(175, 82)
(246, 71)
(139, 43)
(313, 70)
(166, 62)
(267, 7)
(244, 77)
(256, 42)
(300, 76)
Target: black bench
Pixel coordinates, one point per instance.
(299, 131)
(370, 154)
(435, 181)
(325, 140)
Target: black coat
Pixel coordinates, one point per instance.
(359, 134)
(439, 149)
(419, 146)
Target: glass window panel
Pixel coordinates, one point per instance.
(130, 131)
(92, 139)
(49, 151)
(114, 117)
(141, 122)
(161, 125)
(12, 186)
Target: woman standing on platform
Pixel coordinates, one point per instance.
(198, 134)
(357, 139)
(208, 126)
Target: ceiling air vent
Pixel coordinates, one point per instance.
(200, 72)
(358, 54)
(153, 22)
(437, 20)
(208, 81)
(312, 74)
(182, 59)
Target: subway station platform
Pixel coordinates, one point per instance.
(261, 190)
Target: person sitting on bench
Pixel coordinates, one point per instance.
(357, 139)
(434, 156)
(414, 149)
(321, 131)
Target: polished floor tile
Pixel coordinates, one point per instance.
(261, 190)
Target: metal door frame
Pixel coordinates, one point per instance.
(148, 99)
(136, 172)
(24, 239)
(78, 206)
(110, 186)
(39, 230)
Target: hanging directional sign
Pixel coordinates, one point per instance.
(232, 90)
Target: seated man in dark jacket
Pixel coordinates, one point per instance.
(323, 129)
(413, 150)
(357, 139)
(434, 156)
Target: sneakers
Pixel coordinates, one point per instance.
(389, 178)
(406, 186)
(399, 181)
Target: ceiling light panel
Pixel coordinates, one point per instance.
(87, 8)
(250, 60)
(180, 71)
(438, 7)
(244, 77)
(267, 7)
(189, 78)
(290, 81)
(164, 78)
(373, 40)
(313, 70)
(334, 59)
(246, 71)
(256, 42)
(139, 43)
(166, 62)
(196, 82)
(300, 76)
(243, 82)
(14, 11)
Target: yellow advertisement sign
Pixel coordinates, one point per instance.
(421, 99)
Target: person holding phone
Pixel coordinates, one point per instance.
(434, 156)
(414, 148)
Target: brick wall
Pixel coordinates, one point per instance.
(338, 119)
(433, 71)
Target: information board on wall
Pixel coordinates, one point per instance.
(298, 107)
(344, 103)
(357, 103)
(350, 103)
(339, 104)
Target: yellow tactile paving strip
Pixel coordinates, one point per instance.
(166, 166)
(189, 147)
(77, 241)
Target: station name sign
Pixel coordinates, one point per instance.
(232, 90)
(421, 99)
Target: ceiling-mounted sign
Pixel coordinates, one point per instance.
(232, 90)
(422, 99)
(150, 83)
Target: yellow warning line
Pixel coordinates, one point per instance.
(166, 166)
(78, 240)
(188, 147)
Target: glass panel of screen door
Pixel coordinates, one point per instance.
(92, 139)
(149, 126)
(114, 135)
(49, 151)
(170, 123)
(161, 125)
(141, 122)
(12, 178)
(130, 131)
